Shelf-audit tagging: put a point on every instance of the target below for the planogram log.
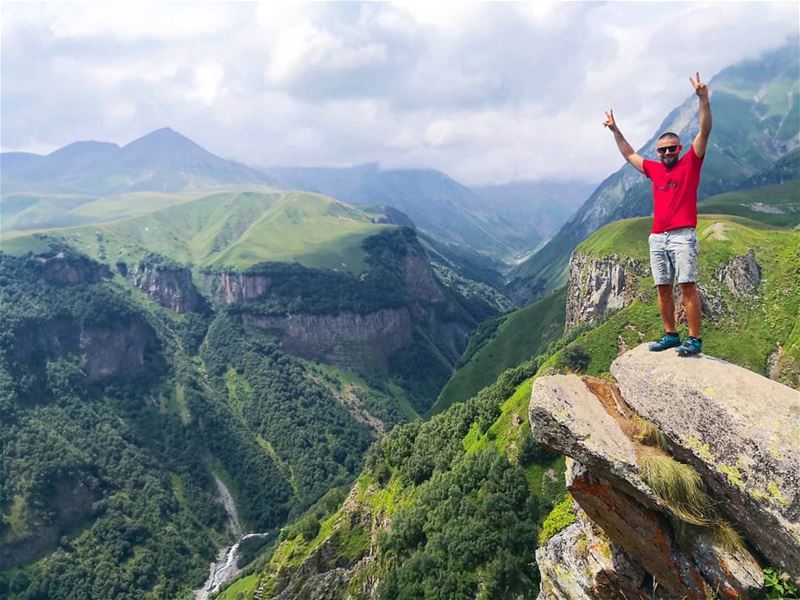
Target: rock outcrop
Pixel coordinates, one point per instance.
(581, 562)
(727, 433)
(169, 286)
(599, 285)
(741, 431)
(115, 349)
(741, 275)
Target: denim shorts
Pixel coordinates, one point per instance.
(674, 254)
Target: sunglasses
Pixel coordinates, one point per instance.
(667, 149)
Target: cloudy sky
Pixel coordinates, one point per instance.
(487, 92)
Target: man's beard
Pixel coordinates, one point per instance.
(669, 162)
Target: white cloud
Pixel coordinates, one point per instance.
(483, 91)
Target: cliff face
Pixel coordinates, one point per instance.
(171, 287)
(598, 285)
(107, 347)
(60, 269)
(107, 350)
(236, 288)
(353, 323)
(667, 463)
(360, 343)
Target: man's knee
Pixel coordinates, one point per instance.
(689, 290)
(665, 291)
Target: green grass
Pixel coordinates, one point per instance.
(784, 199)
(763, 323)
(680, 487)
(307, 228)
(626, 238)
(226, 230)
(561, 517)
(388, 389)
(245, 586)
(522, 334)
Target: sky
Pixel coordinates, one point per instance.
(486, 92)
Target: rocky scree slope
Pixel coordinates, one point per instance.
(684, 476)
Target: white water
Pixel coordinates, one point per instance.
(224, 568)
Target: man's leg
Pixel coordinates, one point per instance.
(692, 304)
(666, 306)
(663, 275)
(685, 252)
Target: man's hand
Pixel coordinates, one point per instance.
(625, 148)
(609, 122)
(701, 89)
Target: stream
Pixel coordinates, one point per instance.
(224, 568)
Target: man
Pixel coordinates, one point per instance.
(673, 240)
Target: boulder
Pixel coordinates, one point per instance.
(567, 417)
(739, 430)
(742, 275)
(591, 421)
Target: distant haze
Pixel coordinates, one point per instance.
(486, 92)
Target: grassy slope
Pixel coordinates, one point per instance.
(34, 211)
(228, 229)
(521, 335)
(783, 199)
(749, 331)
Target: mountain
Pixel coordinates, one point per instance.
(163, 161)
(776, 205)
(537, 209)
(440, 206)
(754, 106)
(504, 221)
(160, 405)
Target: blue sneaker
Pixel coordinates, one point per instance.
(690, 346)
(668, 340)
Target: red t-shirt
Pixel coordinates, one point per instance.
(675, 192)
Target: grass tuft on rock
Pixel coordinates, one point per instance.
(680, 487)
(725, 533)
(648, 434)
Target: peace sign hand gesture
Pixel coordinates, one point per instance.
(701, 89)
(609, 122)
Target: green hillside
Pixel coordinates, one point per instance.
(227, 230)
(502, 343)
(118, 413)
(777, 205)
(38, 211)
(454, 527)
(747, 329)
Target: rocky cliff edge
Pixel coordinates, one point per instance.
(685, 478)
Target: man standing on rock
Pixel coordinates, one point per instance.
(673, 240)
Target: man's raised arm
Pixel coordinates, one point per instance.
(627, 151)
(701, 140)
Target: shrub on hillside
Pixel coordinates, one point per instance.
(576, 358)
